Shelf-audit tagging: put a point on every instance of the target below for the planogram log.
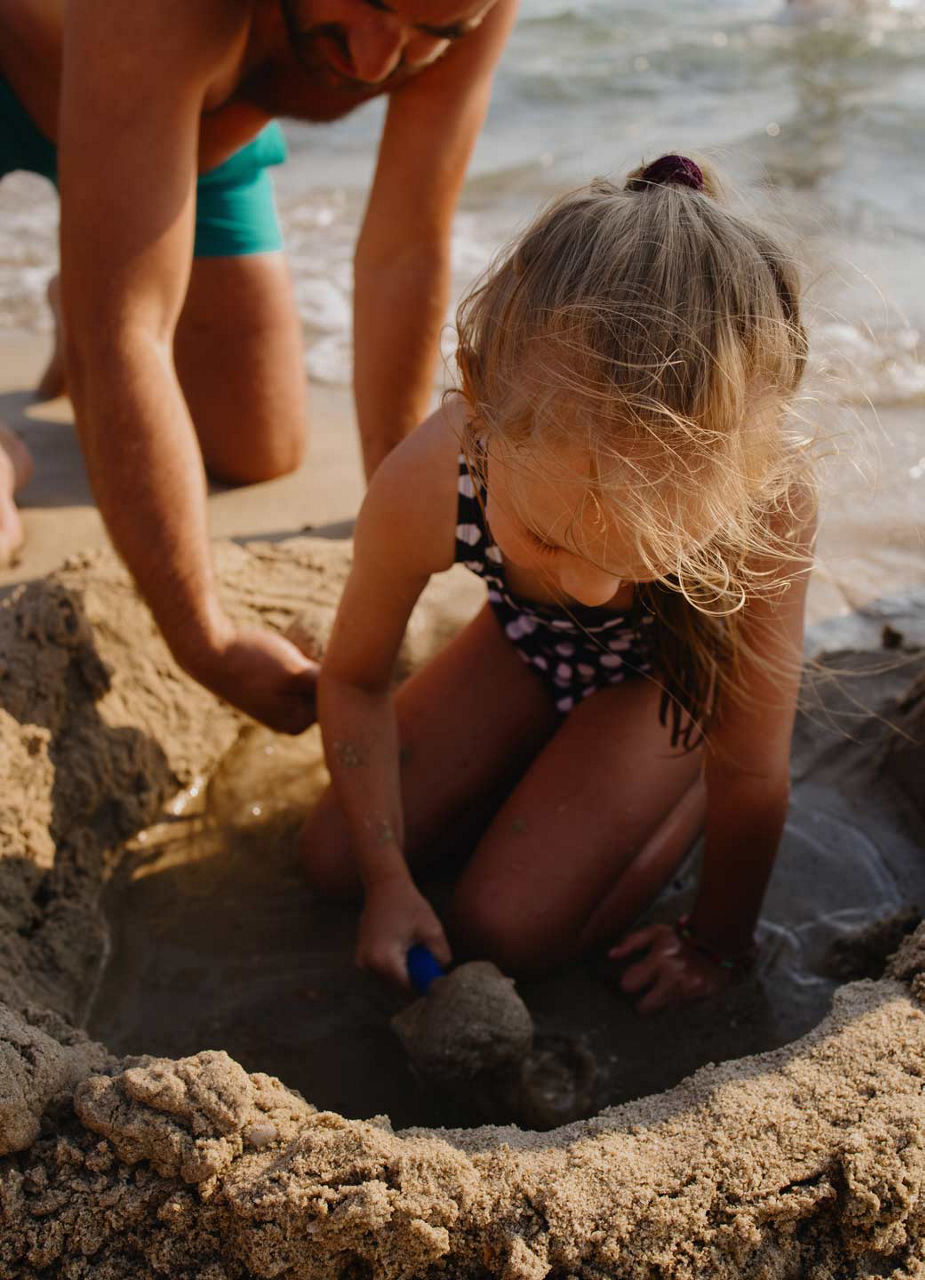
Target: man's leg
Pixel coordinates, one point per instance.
(238, 351)
(238, 346)
(15, 472)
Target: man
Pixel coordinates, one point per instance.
(175, 360)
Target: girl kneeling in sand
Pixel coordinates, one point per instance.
(618, 468)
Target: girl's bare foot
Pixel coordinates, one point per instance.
(15, 472)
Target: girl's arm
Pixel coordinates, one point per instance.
(747, 775)
(404, 533)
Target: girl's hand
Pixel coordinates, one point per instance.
(671, 973)
(395, 917)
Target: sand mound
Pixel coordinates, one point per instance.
(806, 1161)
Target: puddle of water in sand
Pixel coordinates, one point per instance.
(218, 943)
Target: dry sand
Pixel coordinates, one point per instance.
(808, 1161)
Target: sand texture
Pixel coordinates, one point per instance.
(808, 1161)
(470, 1022)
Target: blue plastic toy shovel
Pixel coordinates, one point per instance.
(423, 968)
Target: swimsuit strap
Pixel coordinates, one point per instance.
(475, 547)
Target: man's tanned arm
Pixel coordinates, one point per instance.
(402, 268)
(135, 84)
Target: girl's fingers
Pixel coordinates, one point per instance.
(439, 947)
(659, 995)
(633, 942)
(639, 976)
(389, 963)
(398, 968)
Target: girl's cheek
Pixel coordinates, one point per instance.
(511, 546)
(519, 550)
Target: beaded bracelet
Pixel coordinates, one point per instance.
(743, 961)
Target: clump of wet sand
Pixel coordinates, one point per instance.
(473, 1037)
(471, 1023)
(809, 1160)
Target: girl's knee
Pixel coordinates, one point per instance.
(324, 847)
(489, 924)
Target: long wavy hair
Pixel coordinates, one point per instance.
(662, 332)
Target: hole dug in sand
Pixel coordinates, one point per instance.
(197, 1161)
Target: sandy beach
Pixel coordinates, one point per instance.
(59, 513)
(196, 1082)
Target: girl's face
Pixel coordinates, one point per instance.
(538, 521)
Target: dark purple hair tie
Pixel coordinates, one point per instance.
(668, 171)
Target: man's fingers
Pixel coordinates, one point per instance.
(307, 681)
(294, 717)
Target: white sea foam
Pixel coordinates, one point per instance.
(883, 366)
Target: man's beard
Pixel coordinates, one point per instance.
(305, 86)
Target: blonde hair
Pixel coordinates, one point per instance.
(661, 332)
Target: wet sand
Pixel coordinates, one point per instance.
(217, 941)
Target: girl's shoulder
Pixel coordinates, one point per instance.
(410, 507)
(790, 523)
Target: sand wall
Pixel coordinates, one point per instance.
(809, 1161)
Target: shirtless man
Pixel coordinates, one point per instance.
(181, 360)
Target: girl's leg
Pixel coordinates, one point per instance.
(588, 837)
(649, 871)
(474, 716)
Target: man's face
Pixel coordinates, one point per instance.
(369, 45)
(325, 57)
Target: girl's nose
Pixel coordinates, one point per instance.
(376, 47)
(587, 584)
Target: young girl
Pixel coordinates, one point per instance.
(618, 468)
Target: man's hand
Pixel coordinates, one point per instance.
(672, 972)
(263, 674)
(394, 918)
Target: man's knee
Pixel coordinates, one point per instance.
(326, 853)
(273, 452)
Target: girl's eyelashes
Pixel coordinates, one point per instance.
(540, 544)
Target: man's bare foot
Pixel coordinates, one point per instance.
(15, 472)
(53, 381)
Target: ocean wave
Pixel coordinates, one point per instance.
(861, 365)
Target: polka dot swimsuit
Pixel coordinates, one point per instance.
(575, 651)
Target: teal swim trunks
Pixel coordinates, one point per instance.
(235, 207)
